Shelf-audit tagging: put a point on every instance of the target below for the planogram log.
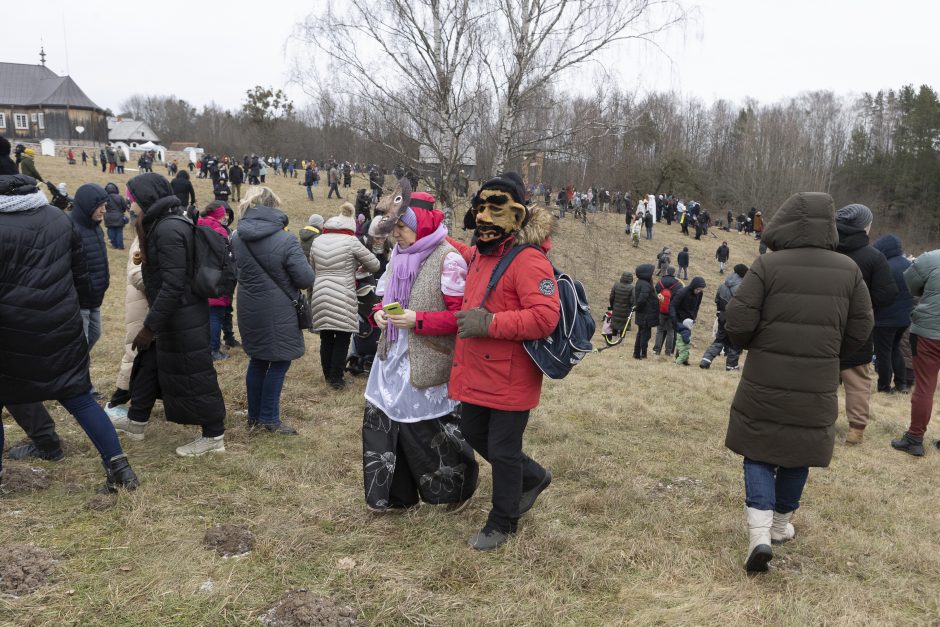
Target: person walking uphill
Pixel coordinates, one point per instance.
(173, 345)
(409, 417)
(722, 255)
(272, 270)
(492, 375)
(853, 223)
(335, 256)
(43, 351)
(795, 324)
(923, 281)
(725, 293)
(892, 321)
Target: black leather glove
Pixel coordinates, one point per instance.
(473, 323)
(143, 340)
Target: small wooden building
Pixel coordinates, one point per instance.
(36, 103)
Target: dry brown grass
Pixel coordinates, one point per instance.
(618, 538)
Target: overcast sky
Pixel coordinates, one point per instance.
(732, 49)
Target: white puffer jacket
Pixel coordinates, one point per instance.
(335, 257)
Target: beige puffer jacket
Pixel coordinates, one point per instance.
(135, 310)
(335, 257)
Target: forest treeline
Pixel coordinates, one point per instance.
(879, 149)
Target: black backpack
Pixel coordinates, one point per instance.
(213, 263)
(567, 345)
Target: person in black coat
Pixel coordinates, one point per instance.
(621, 302)
(43, 351)
(682, 260)
(88, 209)
(853, 223)
(722, 255)
(236, 176)
(893, 320)
(685, 304)
(183, 188)
(647, 309)
(272, 269)
(173, 345)
(114, 218)
(666, 332)
(221, 191)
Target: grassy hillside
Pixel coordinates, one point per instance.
(642, 525)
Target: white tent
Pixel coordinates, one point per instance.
(47, 146)
(148, 146)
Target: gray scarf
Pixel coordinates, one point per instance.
(13, 204)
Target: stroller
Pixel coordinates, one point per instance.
(366, 342)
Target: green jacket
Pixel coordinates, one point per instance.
(923, 280)
(28, 168)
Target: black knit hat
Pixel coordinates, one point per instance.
(509, 182)
(740, 270)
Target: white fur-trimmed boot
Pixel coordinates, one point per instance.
(782, 531)
(759, 552)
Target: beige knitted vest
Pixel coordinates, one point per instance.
(430, 355)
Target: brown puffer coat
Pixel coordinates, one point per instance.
(135, 310)
(795, 311)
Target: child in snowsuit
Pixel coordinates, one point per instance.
(684, 341)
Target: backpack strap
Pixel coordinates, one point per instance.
(500, 269)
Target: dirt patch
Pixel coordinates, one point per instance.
(229, 540)
(101, 502)
(19, 479)
(301, 608)
(24, 569)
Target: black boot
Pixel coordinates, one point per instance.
(119, 474)
(909, 444)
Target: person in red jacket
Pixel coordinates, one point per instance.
(492, 375)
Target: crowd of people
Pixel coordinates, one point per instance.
(393, 296)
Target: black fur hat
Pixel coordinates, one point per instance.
(509, 182)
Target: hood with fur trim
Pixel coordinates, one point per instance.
(539, 229)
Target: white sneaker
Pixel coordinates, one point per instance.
(201, 446)
(133, 430)
(115, 411)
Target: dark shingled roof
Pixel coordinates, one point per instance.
(37, 85)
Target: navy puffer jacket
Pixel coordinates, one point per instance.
(87, 198)
(43, 352)
(898, 313)
(116, 208)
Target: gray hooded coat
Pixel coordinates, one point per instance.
(266, 316)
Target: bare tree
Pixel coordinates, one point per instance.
(418, 80)
(541, 40)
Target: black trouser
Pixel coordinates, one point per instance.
(497, 436)
(38, 425)
(665, 334)
(643, 335)
(334, 346)
(334, 188)
(145, 390)
(889, 360)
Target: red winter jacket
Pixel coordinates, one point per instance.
(496, 371)
(213, 220)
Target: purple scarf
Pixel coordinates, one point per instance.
(406, 263)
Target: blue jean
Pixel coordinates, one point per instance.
(683, 272)
(773, 487)
(116, 236)
(649, 232)
(91, 323)
(216, 319)
(264, 382)
(309, 192)
(93, 421)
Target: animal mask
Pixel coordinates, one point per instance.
(497, 214)
(392, 205)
